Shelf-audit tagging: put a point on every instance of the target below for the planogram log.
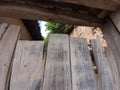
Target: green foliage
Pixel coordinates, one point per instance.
(54, 28)
(67, 26)
(46, 40)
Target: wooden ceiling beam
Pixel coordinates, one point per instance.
(35, 13)
(110, 5)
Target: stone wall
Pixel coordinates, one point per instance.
(88, 33)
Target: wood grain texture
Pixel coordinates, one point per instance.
(111, 5)
(36, 13)
(83, 76)
(7, 46)
(100, 4)
(112, 38)
(3, 29)
(116, 19)
(114, 68)
(28, 66)
(103, 66)
(57, 70)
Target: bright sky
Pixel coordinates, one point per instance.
(44, 32)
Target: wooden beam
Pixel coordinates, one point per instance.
(116, 19)
(112, 37)
(35, 13)
(111, 5)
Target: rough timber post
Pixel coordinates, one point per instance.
(112, 35)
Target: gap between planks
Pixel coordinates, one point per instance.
(7, 46)
(67, 66)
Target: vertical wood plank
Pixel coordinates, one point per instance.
(116, 19)
(2, 29)
(112, 38)
(57, 70)
(114, 68)
(83, 76)
(7, 46)
(103, 66)
(28, 66)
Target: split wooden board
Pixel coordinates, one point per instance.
(9, 37)
(104, 70)
(83, 76)
(28, 66)
(67, 65)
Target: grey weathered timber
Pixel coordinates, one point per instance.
(114, 68)
(3, 29)
(57, 71)
(7, 46)
(83, 76)
(112, 37)
(28, 66)
(116, 19)
(106, 81)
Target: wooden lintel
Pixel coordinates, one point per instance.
(111, 5)
(36, 13)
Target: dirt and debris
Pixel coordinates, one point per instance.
(88, 33)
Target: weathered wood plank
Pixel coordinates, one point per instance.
(116, 19)
(7, 46)
(83, 76)
(114, 68)
(112, 37)
(111, 5)
(57, 71)
(34, 12)
(103, 66)
(28, 66)
(2, 29)
(101, 4)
